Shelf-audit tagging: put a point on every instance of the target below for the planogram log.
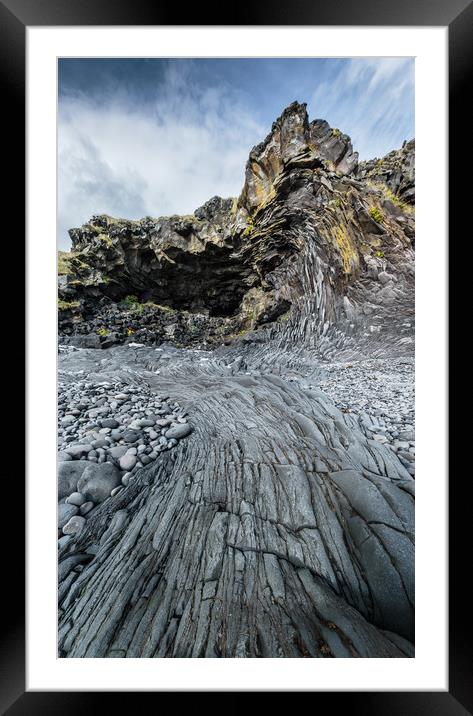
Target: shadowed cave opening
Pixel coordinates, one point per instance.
(213, 281)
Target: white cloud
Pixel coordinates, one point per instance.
(169, 158)
(171, 152)
(371, 99)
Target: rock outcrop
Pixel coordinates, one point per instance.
(303, 230)
(282, 526)
(395, 171)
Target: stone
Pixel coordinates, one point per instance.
(128, 462)
(131, 436)
(76, 498)
(74, 525)
(145, 422)
(178, 431)
(117, 451)
(78, 449)
(64, 513)
(86, 508)
(384, 277)
(98, 480)
(63, 541)
(68, 475)
(67, 420)
(110, 423)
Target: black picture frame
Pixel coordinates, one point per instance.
(15, 17)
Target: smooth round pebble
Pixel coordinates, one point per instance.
(76, 498)
(110, 423)
(178, 431)
(86, 507)
(128, 462)
(74, 526)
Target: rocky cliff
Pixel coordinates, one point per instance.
(250, 514)
(317, 249)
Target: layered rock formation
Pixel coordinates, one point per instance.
(303, 230)
(280, 527)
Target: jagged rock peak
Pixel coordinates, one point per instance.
(396, 171)
(311, 253)
(294, 142)
(215, 209)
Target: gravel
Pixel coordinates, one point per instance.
(381, 394)
(108, 431)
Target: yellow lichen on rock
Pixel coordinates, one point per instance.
(348, 252)
(69, 261)
(105, 238)
(67, 305)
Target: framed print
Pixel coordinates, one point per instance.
(236, 320)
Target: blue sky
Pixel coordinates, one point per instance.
(155, 137)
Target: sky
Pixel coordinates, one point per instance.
(155, 137)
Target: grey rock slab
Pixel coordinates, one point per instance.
(64, 513)
(79, 449)
(98, 480)
(63, 541)
(69, 473)
(178, 431)
(117, 451)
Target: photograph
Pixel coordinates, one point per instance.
(236, 357)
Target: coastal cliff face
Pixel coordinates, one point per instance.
(316, 249)
(237, 461)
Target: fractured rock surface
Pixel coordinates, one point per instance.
(276, 529)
